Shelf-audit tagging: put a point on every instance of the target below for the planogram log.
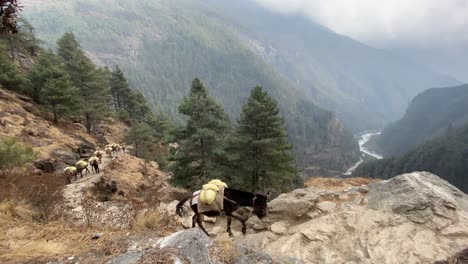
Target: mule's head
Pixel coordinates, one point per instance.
(260, 206)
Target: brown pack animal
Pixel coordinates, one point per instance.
(81, 166)
(108, 151)
(94, 162)
(99, 154)
(70, 172)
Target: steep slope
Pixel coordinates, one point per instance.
(445, 156)
(430, 114)
(367, 87)
(162, 53)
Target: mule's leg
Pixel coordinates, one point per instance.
(229, 219)
(200, 224)
(194, 220)
(242, 220)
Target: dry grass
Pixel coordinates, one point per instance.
(337, 184)
(21, 210)
(151, 219)
(224, 250)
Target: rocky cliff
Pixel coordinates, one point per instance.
(412, 218)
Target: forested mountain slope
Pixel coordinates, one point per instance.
(445, 156)
(163, 45)
(367, 87)
(430, 114)
(232, 45)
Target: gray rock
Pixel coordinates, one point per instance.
(256, 224)
(66, 157)
(45, 165)
(127, 258)
(255, 258)
(289, 206)
(419, 196)
(191, 244)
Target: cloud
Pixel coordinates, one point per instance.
(390, 22)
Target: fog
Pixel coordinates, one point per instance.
(386, 23)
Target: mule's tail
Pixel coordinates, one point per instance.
(180, 210)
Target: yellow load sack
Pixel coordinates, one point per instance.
(208, 196)
(209, 186)
(218, 183)
(208, 193)
(82, 164)
(70, 169)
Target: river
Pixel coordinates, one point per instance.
(364, 137)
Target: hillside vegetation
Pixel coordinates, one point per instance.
(234, 46)
(430, 114)
(446, 156)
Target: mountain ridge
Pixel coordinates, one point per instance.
(423, 120)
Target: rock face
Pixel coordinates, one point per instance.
(412, 218)
(45, 165)
(191, 244)
(186, 246)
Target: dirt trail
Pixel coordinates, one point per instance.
(73, 192)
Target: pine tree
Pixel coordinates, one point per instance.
(140, 136)
(10, 76)
(260, 146)
(119, 88)
(92, 83)
(47, 67)
(60, 96)
(196, 161)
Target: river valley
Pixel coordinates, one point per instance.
(366, 153)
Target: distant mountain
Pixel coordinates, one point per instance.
(163, 45)
(234, 45)
(367, 87)
(446, 156)
(430, 114)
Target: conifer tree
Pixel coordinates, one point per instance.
(140, 136)
(49, 84)
(196, 161)
(10, 76)
(91, 82)
(46, 67)
(260, 146)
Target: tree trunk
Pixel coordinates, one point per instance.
(12, 49)
(88, 123)
(54, 110)
(136, 149)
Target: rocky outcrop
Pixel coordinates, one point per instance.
(45, 165)
(412, 218)
(187, 246)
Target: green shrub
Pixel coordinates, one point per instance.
(14, 153)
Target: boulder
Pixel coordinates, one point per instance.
(412, 218)
(191, 244)
(127, 258)
(254, 258)
(419, 196)
(65, 156)
(289, 206)
(45, 165)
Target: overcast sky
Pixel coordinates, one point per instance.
(386, 23)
